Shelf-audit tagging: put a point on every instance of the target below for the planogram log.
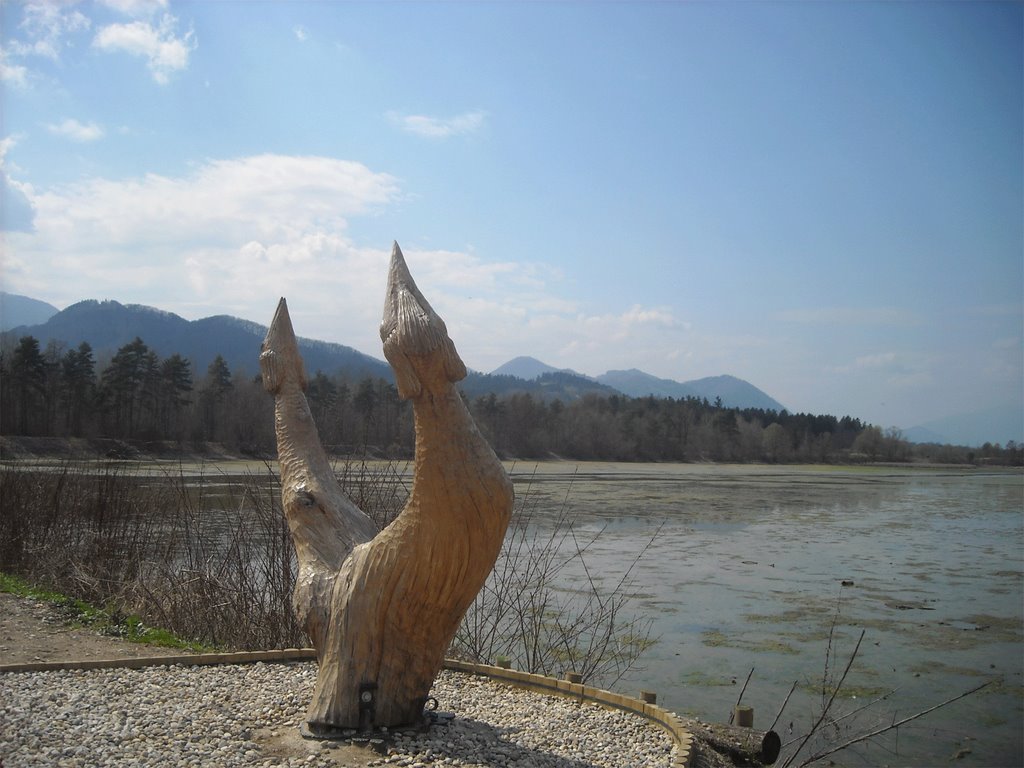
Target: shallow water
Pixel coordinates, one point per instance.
(748, 571)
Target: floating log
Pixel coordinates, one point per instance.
(743, 746)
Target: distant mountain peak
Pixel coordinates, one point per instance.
(734, 392)
(524, 367)
(107, 325)
(17, 310)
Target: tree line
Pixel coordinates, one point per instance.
(137, 396)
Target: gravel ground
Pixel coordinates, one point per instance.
(247, 715)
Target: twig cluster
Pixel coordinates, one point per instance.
(209, 557)
(526, 615)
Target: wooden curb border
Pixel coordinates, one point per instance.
(550, 685)
(539, 683)
(185, 659)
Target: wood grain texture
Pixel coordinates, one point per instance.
(382, 608)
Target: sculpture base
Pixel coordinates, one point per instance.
(326, 732)
(322, 732)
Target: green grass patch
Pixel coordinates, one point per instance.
(21, 588)
(106, 621)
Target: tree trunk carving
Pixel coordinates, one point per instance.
(382, 608)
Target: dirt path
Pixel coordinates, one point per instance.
(32, 630)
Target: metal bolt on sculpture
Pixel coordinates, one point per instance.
(381, 608)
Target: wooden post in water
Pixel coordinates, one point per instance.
(381, 608)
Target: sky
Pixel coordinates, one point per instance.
(825, 199)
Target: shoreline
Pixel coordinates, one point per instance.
(23, 448)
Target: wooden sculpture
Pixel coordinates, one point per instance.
(381, 608)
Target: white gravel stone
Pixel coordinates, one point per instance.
(206, 716)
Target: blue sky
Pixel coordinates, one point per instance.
(824, 199)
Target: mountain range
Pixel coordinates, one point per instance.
(109, 325)
(734, 393)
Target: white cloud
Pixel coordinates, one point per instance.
(231, 236)
(15, 74)
(638, 315)
(164, 50)
(136, 8)
(5, 146)
(301, 34)
(439, 128)
(76, 131)
(635, 324)
(45, 26)
(223, 202)
(16, 213)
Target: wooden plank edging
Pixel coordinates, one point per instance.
(184, 659)
(550, 685)
(540, 683)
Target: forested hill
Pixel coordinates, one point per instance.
(732, 392)
(555, 385)
(152, 398)
(108, 325)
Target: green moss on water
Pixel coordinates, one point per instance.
(848, 691)
(991, 720)
(941, 668)
(699, 679)
(715, 639)
(1010, 627)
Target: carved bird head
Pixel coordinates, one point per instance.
(416, 341)
(280, 360)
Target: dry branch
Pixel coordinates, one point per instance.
(890, 727)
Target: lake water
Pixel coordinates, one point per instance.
(780, 568)
(757, 567)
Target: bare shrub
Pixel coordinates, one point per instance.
(210, 561)
(222, 568)
(209, 557)
(525, 614)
